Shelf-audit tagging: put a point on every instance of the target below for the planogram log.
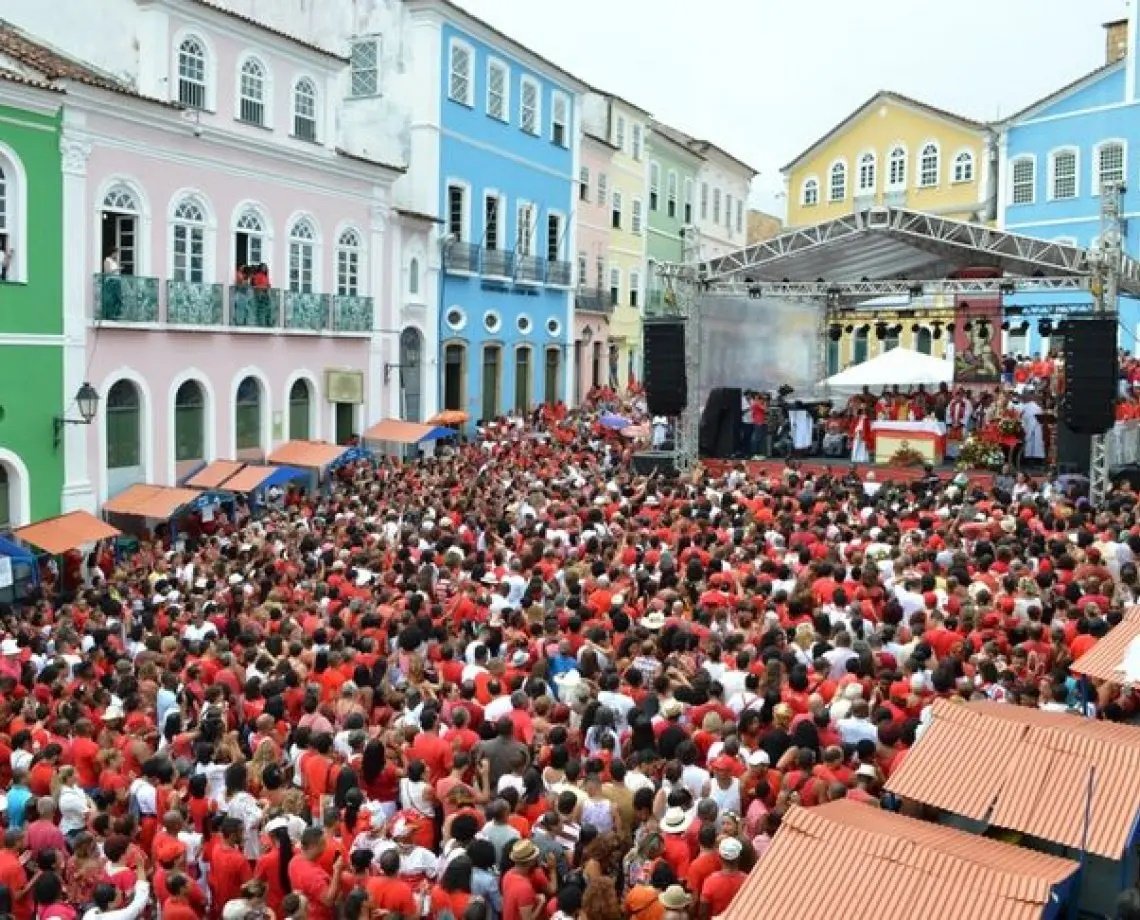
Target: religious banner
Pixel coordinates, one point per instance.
(977, 340)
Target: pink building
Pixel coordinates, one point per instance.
(593, 305)
(237, 280)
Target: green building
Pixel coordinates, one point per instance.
(31, 301)
(673, 167)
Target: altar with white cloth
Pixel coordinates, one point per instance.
(927, 437)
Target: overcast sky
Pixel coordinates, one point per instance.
(765, 78)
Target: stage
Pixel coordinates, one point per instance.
(817, 466)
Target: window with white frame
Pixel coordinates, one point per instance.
(615, 210)
(619, 133)
(634, 287)
(635, 141)
(635, 215)
(581, 269)
(704, 201)
(6, 225)
(584, 183)
(896, 167)
(716, 206)
(728, 213)
(498, 90)
(553, 237)
(460, 86)
(654, 185)
(688, 199)
(457, 211)
(251, 95)
(928, 166)
(1023, 175)
(348, 263)
(603, 189)
(615, 286)
(13, 220)
(305, 110)
(560, 120)
(1109, 165)
(837, 189)
(1063, 169)
(809, 195)
(671, 194)
(492, 219)
(867, 170)
(524, 242)
(529, 115)
(739, 215)
(192, 73)
(364, 65)
(964, 166)
(249, 235)
(188, 242)
(302, 256)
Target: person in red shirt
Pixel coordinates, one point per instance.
(308, 878)
(85, 756)
(428, 746)
(178, 905)
(388, 892)
(721, 886)
(677, 851)
(521, 900)
(707, 861)
(229, 869)
(14, 876)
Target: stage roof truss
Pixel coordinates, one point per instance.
(881, 244)
(855, 290)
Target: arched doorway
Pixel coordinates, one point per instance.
(411, 376)
(6, 498)
(300, 411)
(492, 379)
(124, 437)
(522, 380)
(924, 341)
(553, 383)
(454, 370)
(189, 424)
(247, 419)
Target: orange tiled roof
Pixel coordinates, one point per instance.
(68, 531)
(1103, 661)
(213, 475)
(311, 454)
(845, 859)
(1029, 771)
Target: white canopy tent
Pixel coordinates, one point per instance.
(903, 366)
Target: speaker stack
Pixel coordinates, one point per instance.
(720, 423)
(666, 385)
(1091, 375)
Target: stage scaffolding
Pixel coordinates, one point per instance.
(895, 251)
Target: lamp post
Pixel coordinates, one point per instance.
(87, 400)
(411, 356)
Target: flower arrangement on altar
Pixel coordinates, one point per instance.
(980, 452)
(1011, 427)
(906, 456)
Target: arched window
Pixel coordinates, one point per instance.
(810, 195)
(348, 263)
(4, 209)
(192, 73)
(964, 167)
(414, 276)
(300, 411)
(1063, 173)
(247, 414)
(249, 239)
(124, 426)
(13, 216)
(188, 250)
(896, 170)
(1109, 164)
(189, 422)
(251, 92)
(411, 357)
(837, 189)
(302, 255)
(305, 110)
(868, 167)
(859, 346)
(928, 166)
(5, 498)
(492, 380)
(119, 228)
(523, 371)
(924, 341)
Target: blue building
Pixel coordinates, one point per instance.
(1056, 154)
(494, 153)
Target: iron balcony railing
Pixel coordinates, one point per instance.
(125, 299)
(306, 310)
(255, 308)
(462, 258)
(194, 303)
(591, 300)
(530, 269)
(558, 273)
(351, 313)
(498, 263)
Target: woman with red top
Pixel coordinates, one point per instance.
(453, 890)
(379, 778)
(273, 866)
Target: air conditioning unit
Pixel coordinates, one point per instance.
(344, 387)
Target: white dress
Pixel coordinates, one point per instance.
(859, 452)
(1034, 434)
(802, 425)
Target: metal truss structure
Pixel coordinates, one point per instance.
(1107, 263)
(860, 290)
(881, 243)
(680, 282)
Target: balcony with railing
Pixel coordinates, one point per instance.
(306, 310)
(498, 263)
(194, 303)
(660, 302)
(592, 300)
(461, 258)
(351, 313)
(255, 308)
(530, 269)
(125, 299)
(558, 273)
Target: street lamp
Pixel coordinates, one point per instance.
(411, 356)
(587, 335)
(87, 399)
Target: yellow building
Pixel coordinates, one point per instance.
(894, 151)
(619, 128)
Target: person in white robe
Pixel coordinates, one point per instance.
(1034, 433)
(660, 426)
(859, 438)
(802, 425)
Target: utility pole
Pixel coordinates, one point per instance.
(681, 288)
(1106, 275)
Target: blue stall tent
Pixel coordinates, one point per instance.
(405, 434)
(19, 574)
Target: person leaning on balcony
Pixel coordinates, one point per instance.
(112, 286)
(242, 296)
(259, 278)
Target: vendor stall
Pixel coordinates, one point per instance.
(398, 432)
(19, 574)
(214, 474)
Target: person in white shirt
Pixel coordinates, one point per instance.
(500, 704)
(74, 803)
(838, 657)
(857, 726)
(105, 896)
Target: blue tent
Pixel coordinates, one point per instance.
(438, 434)
(25, 572)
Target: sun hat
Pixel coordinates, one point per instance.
(675, 820)
(524, 851)
(654, 620)
(675, 898)
(730, 848)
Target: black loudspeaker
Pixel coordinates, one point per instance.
(720, 423)
(666, 386)
(1074, 451)
(662, 463)
(1091, 375)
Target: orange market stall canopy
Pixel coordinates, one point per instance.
(214, 474)
(58, 535)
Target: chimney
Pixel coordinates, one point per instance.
(1115, 41)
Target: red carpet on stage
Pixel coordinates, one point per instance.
(816, 467)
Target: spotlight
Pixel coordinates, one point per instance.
(916, 290)
(1045, 327)
(896, 330)
(914, 327)
(968, 326)
(1023, 328)
(1005, 327)
(880, 331)
(864, 329)
(1006, 287)
(849, 329)
(937, 333)
(950, 328)
(835, 333)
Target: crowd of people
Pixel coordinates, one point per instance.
(518, 680)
